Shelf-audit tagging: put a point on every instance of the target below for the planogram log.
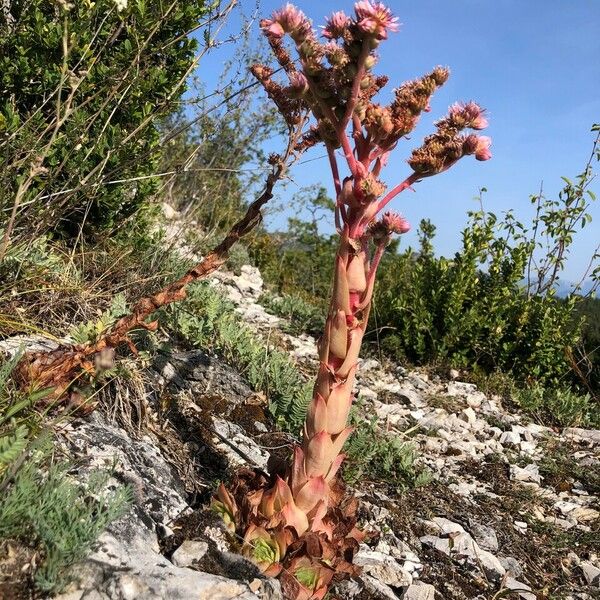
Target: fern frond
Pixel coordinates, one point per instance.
(12, 446)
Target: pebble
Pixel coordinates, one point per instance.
(510, 438)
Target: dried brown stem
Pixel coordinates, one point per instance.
(59, 368)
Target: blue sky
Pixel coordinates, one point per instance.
(533, 64)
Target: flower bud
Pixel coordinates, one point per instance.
(370, 62)
(336, 25)
(298, 85)
(483, 148)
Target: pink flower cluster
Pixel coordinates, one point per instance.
(375, 18)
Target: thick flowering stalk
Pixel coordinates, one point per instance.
(300, 522)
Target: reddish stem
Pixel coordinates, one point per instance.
(371, 277)
(348, 153)
(395, 191)
(360, 71)
(334, 170)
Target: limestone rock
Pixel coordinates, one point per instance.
(591, 573)
(382, 567)
(188, 553)
(419, 591)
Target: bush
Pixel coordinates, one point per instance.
(493, 306)
(82, 86)
(473, 311)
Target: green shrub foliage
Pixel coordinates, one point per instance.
(81, 87)
(473, 310)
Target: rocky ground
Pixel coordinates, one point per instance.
(512, 510)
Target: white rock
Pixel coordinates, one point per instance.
(26, 343)
(521, 526)
(188, 553)
(419, 591)
(537, 430)
(460, 388)
(560, 522)
(591, 573)
(462, 544)
(476, 400)
(236, 445)
(484, 535)
(465, 489)
(509, 438)
(584, 514)
(565, 507)
(445, 435)
(528, 447)
(368, 364)
(521, 588)
(445, 526)
(496, 432)
(134, 570)
(512, 566)
(377, 589)
(411, 396)
(591, 436)
(366, 393)
(531, 472)
(383, 567)
(169, 212)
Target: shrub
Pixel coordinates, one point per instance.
(475, 309)
(82, 87)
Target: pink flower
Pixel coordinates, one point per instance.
(375, 18)
(395, 223)
(468, 115)
(482, 152)
(336, 24)
(287, 19)
(470, 144)
(271, 28)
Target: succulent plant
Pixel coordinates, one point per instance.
(332, 80)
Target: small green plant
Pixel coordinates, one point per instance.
(558, 406)
(89, 332)
(302, 316)
(57, 515)
(382, 457)
(19, 423)
(207, 320)
(40, 505)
